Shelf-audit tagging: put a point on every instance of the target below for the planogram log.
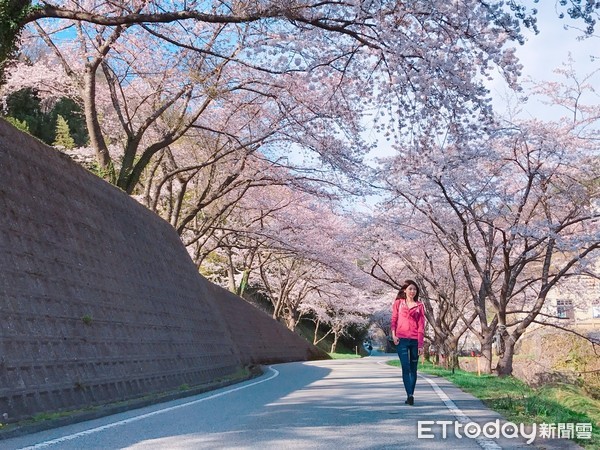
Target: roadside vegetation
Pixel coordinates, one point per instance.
(344, 355)
(519, 403)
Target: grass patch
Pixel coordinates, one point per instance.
(519, 403)
(344, 355)
(57, 415)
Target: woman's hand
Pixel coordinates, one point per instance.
(395, 340)
(421, 352)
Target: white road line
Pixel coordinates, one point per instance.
(484, 442)
(144, 416)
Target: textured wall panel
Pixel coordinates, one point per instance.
(99, 300)
(255, 333)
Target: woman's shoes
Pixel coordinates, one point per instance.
(410, 400)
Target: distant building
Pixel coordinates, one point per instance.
(575, 303)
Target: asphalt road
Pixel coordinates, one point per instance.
(346, 404)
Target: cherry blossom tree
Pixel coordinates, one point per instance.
(448, 303)
(342, 310)
(517, 209)
(400, 248)
(421, 63)
(138, 103)
(289, 244)
(344, 18)
(380, 321)
(256, 223)
(304, 258)
(231, 90)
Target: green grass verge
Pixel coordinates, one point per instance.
(344, 355)
(519, 403)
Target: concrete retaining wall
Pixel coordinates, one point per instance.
(99, 300)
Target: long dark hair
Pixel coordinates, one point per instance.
(405, 286)
(401, 294)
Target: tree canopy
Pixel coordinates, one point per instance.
(243, 124)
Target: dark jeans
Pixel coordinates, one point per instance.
(408, 352)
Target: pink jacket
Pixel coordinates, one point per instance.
(408, 323)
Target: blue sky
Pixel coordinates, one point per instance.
(548, 50)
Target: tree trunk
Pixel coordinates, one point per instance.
(485, 340)
(231, 273)
(315, 338)
(427, 352)
(334, 343)
(277, 307)
(291, 323)
(486, 354)
(504, 367)
(452, 354)
(93, 125)
(243, 283)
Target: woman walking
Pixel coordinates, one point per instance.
(408, 324)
